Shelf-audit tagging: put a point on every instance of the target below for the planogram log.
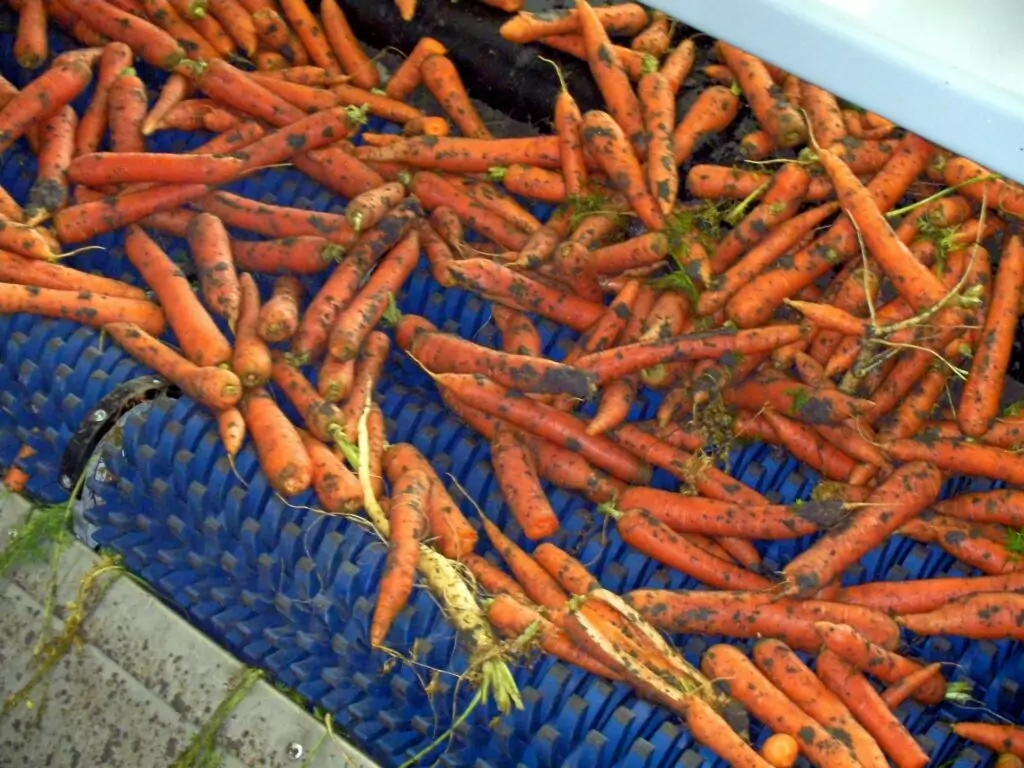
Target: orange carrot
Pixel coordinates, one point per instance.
(27, 271)
(366, 309)
(45, 95)
(977, 544)
(275, 221)
(518, 335)
(217, 388)
(369, 366)
(200, 339)
(864, 156)
(906, 687)
(531, 182)
(382, 106)
(569, 572)
(611, 78)
(306, 255)
(165, 15)
(407, 77)
(998, 738)
(250, 359)
(238, 23)
(274, 32)
(986, 615)
(127, 106)
(308, 28)
(30, 44)
(148, 40)
(544, 421)
(123, 167)
(57, 146)
(1003, 507)
(567, 122)
(307, 98)
(116, 58)
(334, 379)
(367, 209)
(979, 403)
(774, 112)
(231, 427)
(336, 486)
(520, 486)
(780, 750)
(210, 247)
(868, 707)
(408, 525)
(739, 678)
(604, 138)
(283, 457)
(443, 81)
(279, 317)
(872, 659)
(712, 112)
(237, 90)
(464, 155)
(655, 39)
(957, 455)
(87, 220)
(826, 119)
(311, 338)
(619, 20)
(494, 580)
(678, 63)
(1000, 194)
(81, 306)
(904, 494)
(346, 47)
(426, 126)
(796, 680)
(484, 194)
(176, 89)
(659, 109)
(538, 585)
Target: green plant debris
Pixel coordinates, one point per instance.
(201, 751)
(45, 526)
(1015, 543)
(90, 591)
(677, 280)
(587, 205)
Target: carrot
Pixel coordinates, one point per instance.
(275, 221)
(250, 359)
(970, 543)
(217, 388)
(739, 678)
(540, 587)
(236, 89)
(434, 190)
(445, 353)
(655, 39)
(311, 337)
(146, 39)
(979, 403)
(494, 580)
(408, 529)
(282, 454)
(868, 707)
(659, 110)
(35, 272)
(368, 369)
(611, 78)
(863, 156)
(870, 658)
(304, 75)
(367, 308)
(629, 254)
(231, 428)
(200, 339)
(210, 247)
(608, 143)
(569, 572)
(513, 618)
(782, 200)
(712, 112)
(49, 192)
(347, 48)
(127, 106)
(633, 62)
(122, 167)
(334, 379)
(912, 280)
(190, 9)
(426, 126)
(1003, 506)
(176, 89)
(534, 183)
(381, 106)
(278, 318)
(519, 291)
(81, 306)
(42, 97)
(407, 77)
(323, 419)
(780, 750)
(336, 486)
(796, 680)
(273, 31)
(722, 182)
(1004, 196)
(307, 133)
(688, 514)
(961, 457)
(116, 58)
(367, 209)
(165, 16)
(926, 595)
(466, 155)
(773, 110)
(307, 98)
(305, 255)
(906, 687)
(442, 79)
(520, 486)
(998, 738)
(904, 495)
(518, 334)
(831, 318)
(485, 194)
(308, 28)
(238, 23)
(984, 615)
(620, 20)
(620, 361)
(30, 44)
(567, 122)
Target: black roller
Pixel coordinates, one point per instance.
(506, 76)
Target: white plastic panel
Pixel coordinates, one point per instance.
(950, 70)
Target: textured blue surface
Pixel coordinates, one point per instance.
(292, 591)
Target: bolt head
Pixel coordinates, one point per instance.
(65, 481)
(99, 415)
(295, 751)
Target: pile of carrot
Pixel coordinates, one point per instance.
(849, 293)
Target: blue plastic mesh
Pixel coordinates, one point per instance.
(292, 591)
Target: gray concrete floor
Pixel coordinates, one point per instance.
(139, 686)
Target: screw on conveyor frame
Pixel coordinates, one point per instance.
(65, 482)
(98, 415)
(296, 751)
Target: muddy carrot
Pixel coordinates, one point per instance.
(210, 247)
(678, 63)
(148, 40)
(774, 112)
(236, 89)
(30, 44)
(621, 20)
(796, 680)
(337, 488)
(455, 154)
(904, 495)
(518, 334)
(998, 194)
(305, 255)
(250, 359)
(275, 221)
(977, 544)
(442, 79)
(493, 198)
(81, 306)
(824, 114)
(309, 31)
(712, 112)
(367, 209)
(657, 101)
(407, 77)
(538, 585)
(520, 486)
(739, 678)
(368, 370)
(957, 455)
(279, 316)
(283, 457)
(56, 147)
(612, 80)
(434, 190)
(45, 95)
(986, 615)
(200, 339)
(116, 58)
(607, 142)
(998, 738)
(99, 168)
